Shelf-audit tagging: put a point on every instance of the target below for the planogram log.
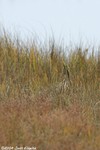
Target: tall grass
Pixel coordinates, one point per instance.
(23, 67)
(34, 110)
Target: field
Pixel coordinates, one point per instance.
(49, 95)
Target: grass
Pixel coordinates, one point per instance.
(37, 108)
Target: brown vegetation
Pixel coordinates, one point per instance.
(34, 110)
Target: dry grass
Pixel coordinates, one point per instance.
(37, 107)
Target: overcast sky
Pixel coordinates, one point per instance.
(68, 19)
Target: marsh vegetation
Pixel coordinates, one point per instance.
(48, 96)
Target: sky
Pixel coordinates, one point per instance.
(71, 20)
